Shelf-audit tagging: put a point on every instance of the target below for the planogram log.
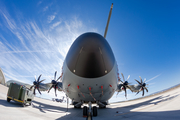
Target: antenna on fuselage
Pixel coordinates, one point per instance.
(108, 21)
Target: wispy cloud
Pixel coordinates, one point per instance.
(153, 77)
(12, 52)
(51, 18)
(39, 2)
(34, 50)
(45, 8)
(55, 25)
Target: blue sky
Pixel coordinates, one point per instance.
(144, 35)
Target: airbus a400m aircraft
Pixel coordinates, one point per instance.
(90, 74)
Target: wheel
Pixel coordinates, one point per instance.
(24, 104)
(8, 99)
(94, 111)
(85, 110)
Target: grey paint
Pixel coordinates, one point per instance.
(73, 81)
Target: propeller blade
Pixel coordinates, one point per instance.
(31, 87)
(117, 94)
(125, 91)
(142, 85)
(129, 88)
(146, 89)
(137, 81)
(55, 91)
(54, 83)
(50, 88)
(123, 77)
(144, 80)
(143, 91)
(55, 75)
(58, 78)
(35, 78)
(137, 92)
(38, 90)
(34, 91)
(128, 77)
(121, 81)
(140, 78)
(39, 78)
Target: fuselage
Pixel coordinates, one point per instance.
(90, 69)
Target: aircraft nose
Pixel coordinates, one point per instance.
(90, 56)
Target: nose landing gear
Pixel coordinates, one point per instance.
(88, 112)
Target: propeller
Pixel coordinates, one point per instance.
(54, 83)
(36, 84)
(142, 85)
(125, 84)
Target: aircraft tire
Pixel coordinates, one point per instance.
(24, 104)
(95, 111)
(85, 111)
(8, 99)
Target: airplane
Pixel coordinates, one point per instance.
(89, 74)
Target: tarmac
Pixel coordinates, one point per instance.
(161, 106)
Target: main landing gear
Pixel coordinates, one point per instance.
(88, 112)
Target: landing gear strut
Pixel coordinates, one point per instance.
(89, 117)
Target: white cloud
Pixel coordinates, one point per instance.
(55, 25)
(39, 2)
(51, 18)
(11, 23)
(45, 8)
(153, 78)
(37, 50)
(33, 49)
